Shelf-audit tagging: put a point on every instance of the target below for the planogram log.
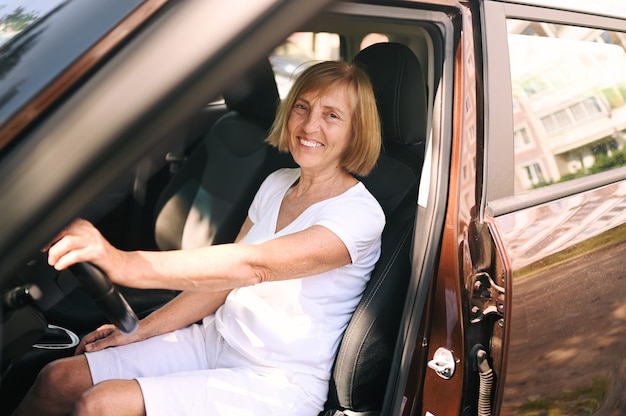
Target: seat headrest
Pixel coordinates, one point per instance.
(400, 90)
(256, 95)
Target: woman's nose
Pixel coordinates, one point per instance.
(312, 121)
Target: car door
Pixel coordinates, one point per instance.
(553, 196)
(432, 374)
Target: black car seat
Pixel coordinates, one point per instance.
(206, 201)
(362, 366)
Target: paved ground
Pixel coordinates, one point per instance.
(569, 328)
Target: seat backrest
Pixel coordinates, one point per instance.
(363, 361)
(206, 201)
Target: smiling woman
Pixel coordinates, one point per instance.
(501, 179)
(273, 304)
(357, 113)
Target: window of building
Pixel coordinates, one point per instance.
(522, 139)
(534, 174)
(569, 84)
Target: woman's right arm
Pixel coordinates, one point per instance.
(186, 308)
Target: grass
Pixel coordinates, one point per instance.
(585, 400)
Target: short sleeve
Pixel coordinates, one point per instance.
(358, 220)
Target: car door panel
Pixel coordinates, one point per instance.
(558, 212)
(567, 310)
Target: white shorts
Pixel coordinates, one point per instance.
(192, 371)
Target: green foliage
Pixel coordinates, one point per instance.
(585, 400)
(18, 19)
(602, 163)
(612, 97)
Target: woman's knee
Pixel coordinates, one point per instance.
(112, 397)
(64, 379)
(53, 374)
(91, 402)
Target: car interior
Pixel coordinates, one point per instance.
(196, 188)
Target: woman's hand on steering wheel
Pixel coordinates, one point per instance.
(82, 242)
(83, 249)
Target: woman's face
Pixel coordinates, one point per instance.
(320, 128)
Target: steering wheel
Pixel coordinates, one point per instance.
(107, 297)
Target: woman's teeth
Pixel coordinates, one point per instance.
(310, 143)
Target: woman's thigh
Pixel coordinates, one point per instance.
(178, 351)
(192, 371)
(226, 391)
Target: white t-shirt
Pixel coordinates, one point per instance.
(298, 323)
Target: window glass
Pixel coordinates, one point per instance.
(42, 38)
(17, 15)
(606, 7)
(373, 38)
(303, 49)
(521, 139)
(569, 93)
(299, 51)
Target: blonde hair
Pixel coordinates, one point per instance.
(365, 144)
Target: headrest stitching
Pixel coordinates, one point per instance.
(397, 98)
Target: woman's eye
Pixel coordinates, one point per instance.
(334, 116)
(300, 107)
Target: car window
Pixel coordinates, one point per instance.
(569, 102)
(17, 15)
(299, 51)
(606, 7)
(563, 230)
(302, 49)
(31, 32)
(372, 38)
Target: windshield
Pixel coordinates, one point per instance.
(17, 15)
(42, 38)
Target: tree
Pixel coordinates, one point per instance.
(18, 19)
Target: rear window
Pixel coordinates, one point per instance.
(299, 51)
(303, 49)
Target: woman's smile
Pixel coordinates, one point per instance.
(309, 143)
(320, 121)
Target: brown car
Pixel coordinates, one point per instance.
(501, 287)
